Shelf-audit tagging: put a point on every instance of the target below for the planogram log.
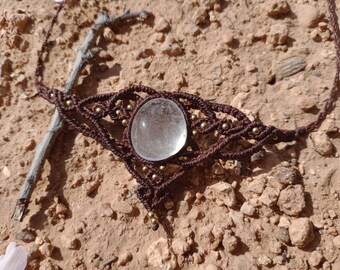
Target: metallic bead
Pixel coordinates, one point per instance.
(275, 138)
(129, 107)
(154, 220)
(151, 214)
(144, 169)
(224, 126)
(194, 132)
(203, 124)
(154, 176)
(51, 95)
(162, 168)
(69, 102)
(124, 122)
(98, 110)
(256, 131)
(193, 117)
(118, 102)
(216, 134)
(118, 112)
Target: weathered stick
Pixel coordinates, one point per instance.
(85, 53)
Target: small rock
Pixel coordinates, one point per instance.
(73, 243)
(285, 175)
(29, 145)
(336, 241)
(264, 260)
(211, 267)
(122, 207)
(322, 143)
(180, 246)
(276, 247)
(171, 47)
(5, 67)
(160, 256)
(6, 171)
(278, 34)
(109, 35)
(269, 196)
(257, 186)
(292, 200)
(250, 67)
(200, 16)
(315, 258)
(230, 242)
(278, 8)
(308, 15)
(191, 29)
(124, 259)
(283, 222)
(228, 37)
(61, 209)
(198, 258)
(301, 232)
(161, 25)
(290, 66)
(248, 209)
(142, 53)
(226, 192)
(26, 236)
(106, 210)
(46, 249)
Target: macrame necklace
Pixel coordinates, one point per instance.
(159, 142)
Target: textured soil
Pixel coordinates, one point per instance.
(84, 213)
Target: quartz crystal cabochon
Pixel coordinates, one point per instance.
(158, 129)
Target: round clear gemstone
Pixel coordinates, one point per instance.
(158, 129)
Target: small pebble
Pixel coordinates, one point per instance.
(301, 232)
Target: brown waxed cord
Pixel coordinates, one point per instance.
(95, 108)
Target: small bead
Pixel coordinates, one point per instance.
(155, 226)
(124, 122)
(118, 102)
(151, 214)
(154, 176)
(144, 169)
(69, 102)
(256, 130)
(162, 168)
(98, 110)
(154, 221)
(118, 112)
(216, 134)
(51, 95)
(193, 117)
(194, 132)
(224, 126)
(203, 124)
(275, 138)
(129, 107)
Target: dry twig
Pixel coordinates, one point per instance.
(86, 52)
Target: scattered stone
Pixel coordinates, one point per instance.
(171, 47)
(284, 222)
(122, 207)
(106, 210)
(161, 25)
(200, 16)
(322, 143)
(315, 258)
(257, 186)
(301, 232)
(278, 34)
(180, 246)
(109, 35)
(160, 256)
(124, 259)
(336, 241)
(198, 258)
(191, 29)
(29, 145)
(6, 172)
(61, 209)
(276, 247)
(226, 192)
(26, 236)
(285, 175)
(269, 196)
(264, 260)
(228, 37)
(230, 242)
(248, 209)
(46, 249)
(73, 243)
(292, 200)
(278, 8)
(142, 53)
(92, 187)
(308, 15)
(5, 67)
(290, 66)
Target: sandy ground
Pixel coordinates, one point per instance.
(83, 212)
